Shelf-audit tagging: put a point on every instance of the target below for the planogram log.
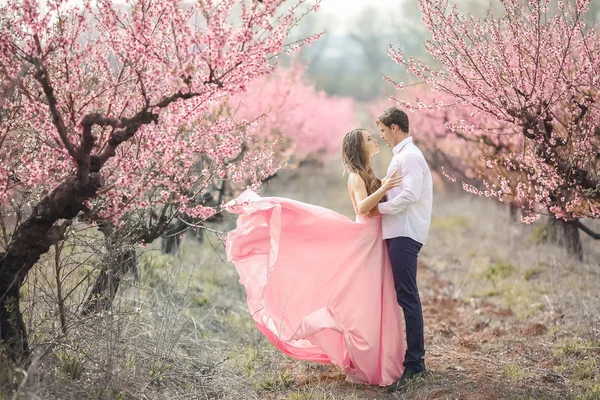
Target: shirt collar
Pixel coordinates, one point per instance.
(401, 145)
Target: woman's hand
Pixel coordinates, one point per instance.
(391, 182)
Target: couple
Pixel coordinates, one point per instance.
(327, 289)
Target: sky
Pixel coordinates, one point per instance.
(347, 8)
(341, 14)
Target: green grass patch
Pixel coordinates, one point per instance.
(585, 369)
(313, 394)
(532, 273)
(514, 372)
(200, 301)
(274, 381)
(499, 271)
(593, 392)
(576, 347)
(247, 360)
(158, 370)
(540, 234)
(69, 365)
(450, 223)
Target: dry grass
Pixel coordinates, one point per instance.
(506, 318)
(497, 304)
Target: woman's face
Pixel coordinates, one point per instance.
(370, 144)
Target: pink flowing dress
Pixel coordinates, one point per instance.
(319, 285)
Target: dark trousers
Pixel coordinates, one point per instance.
(403, 256)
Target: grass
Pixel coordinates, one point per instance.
(69, 364)
(533, 273)
(183, 330)
(585, 369)
(450, 223)
(499, 271)
(274, 381)
(592, 393)
(514, 372)
(310, 395)
(576, 347)
(247, 359)
(540, 234)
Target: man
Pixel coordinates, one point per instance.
(406, 216)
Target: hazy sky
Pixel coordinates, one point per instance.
(341, 11)
(345, 12)
(346, 8)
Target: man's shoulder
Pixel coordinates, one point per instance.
(413, 148)
(411, 151)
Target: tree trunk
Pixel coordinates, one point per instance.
(552, 230)
(172, 237)
(29, 242)
(120, 259)
(107, 284)
(566, 234)
(572, 240)
(13, 334)
(514, 212)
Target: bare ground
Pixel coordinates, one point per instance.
(507, 316)
(475, 350)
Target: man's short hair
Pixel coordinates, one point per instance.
(393, 115)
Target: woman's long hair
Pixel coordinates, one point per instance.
(357, 160)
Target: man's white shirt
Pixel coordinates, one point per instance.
(407, 211)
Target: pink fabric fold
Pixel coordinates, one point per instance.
(319, 285)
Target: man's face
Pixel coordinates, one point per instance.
(387, 134)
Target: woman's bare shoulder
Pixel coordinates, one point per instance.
(355, 180)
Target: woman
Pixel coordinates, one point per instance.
(320, 285)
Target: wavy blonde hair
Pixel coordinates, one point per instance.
(357, 160)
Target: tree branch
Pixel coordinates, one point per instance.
(41, 74)
(8, 89)
(131, 126)
(592, 234)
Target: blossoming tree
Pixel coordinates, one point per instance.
(294, 121)
(106, 111)
(533, 74)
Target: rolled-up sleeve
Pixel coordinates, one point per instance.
(412, 185)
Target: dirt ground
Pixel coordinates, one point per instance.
(506, 317)
(475, 350)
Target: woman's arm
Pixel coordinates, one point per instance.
(364, 202)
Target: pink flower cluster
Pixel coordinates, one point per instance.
(170, 64)
(303, 121)
(516, 99)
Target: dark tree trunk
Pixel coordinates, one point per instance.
(552, 230)
(22, 254)
(566, 234)
(572, 239)
(120, 259)
(514, 212)
(172, 237)
(12, 327)
(170, 244)
(29, 241)
(107, 283)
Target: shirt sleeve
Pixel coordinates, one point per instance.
(412, 186)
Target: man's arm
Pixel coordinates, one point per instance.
(412, 172)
